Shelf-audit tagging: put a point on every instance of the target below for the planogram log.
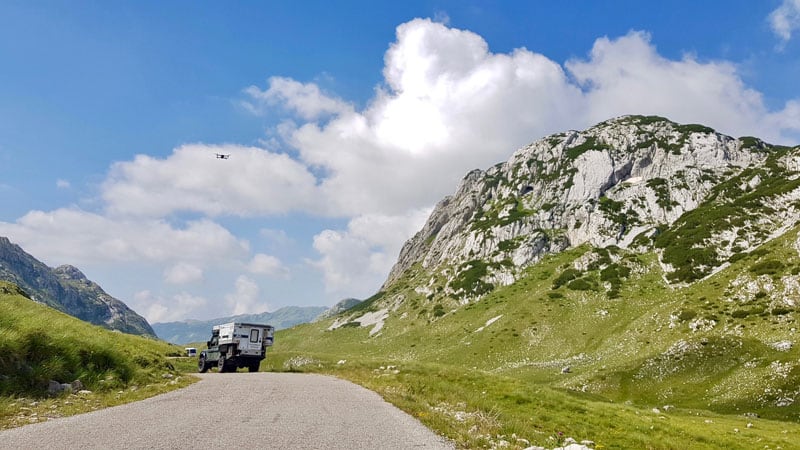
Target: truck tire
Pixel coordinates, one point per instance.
(202, 365)
(253, 367)
(223, 366)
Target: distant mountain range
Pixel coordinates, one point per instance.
(67, 289)
(187, 331)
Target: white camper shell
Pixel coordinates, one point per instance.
(250, 338)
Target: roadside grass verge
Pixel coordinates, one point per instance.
(16, 411)
(477, 409)
(39, 344)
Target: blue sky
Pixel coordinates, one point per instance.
(346, 122)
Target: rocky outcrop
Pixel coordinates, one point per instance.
(68, 290)
(620, 183)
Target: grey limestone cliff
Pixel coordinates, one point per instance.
(68, 290)
(620, 183)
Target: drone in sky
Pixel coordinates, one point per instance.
(223, 156)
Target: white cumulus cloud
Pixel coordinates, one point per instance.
(72, 236)
(252, 181)
(177, 307)
(628, 76)
(355, 262)
(183, 273)
(307, 100)
(266, 265)
(246, 297)
(785, 19)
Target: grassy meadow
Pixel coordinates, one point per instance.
(39, 344)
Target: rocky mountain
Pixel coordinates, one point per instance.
(68, 290)
(183, 332)
(643, 268)
(634, 182)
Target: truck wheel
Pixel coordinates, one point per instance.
(253, 367)
(222, 365)
(202, 366)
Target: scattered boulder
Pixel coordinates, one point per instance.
(566, 369)
(55, 388)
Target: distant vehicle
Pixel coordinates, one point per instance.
(191, 351)
(234, 345)
(223, 156)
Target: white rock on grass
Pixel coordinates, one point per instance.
(573, 447)
(372, 318)
(782, 346)
(489, 322)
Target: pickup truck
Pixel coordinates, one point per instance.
(234, 345)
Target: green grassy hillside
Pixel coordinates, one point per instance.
(590, 343)
(39, 344)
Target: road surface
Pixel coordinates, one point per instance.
(239, 410)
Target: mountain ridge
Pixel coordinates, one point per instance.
(67, 289)
(623, 180)
(193, 330)
(188, 331)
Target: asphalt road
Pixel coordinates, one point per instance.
(239, 410)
